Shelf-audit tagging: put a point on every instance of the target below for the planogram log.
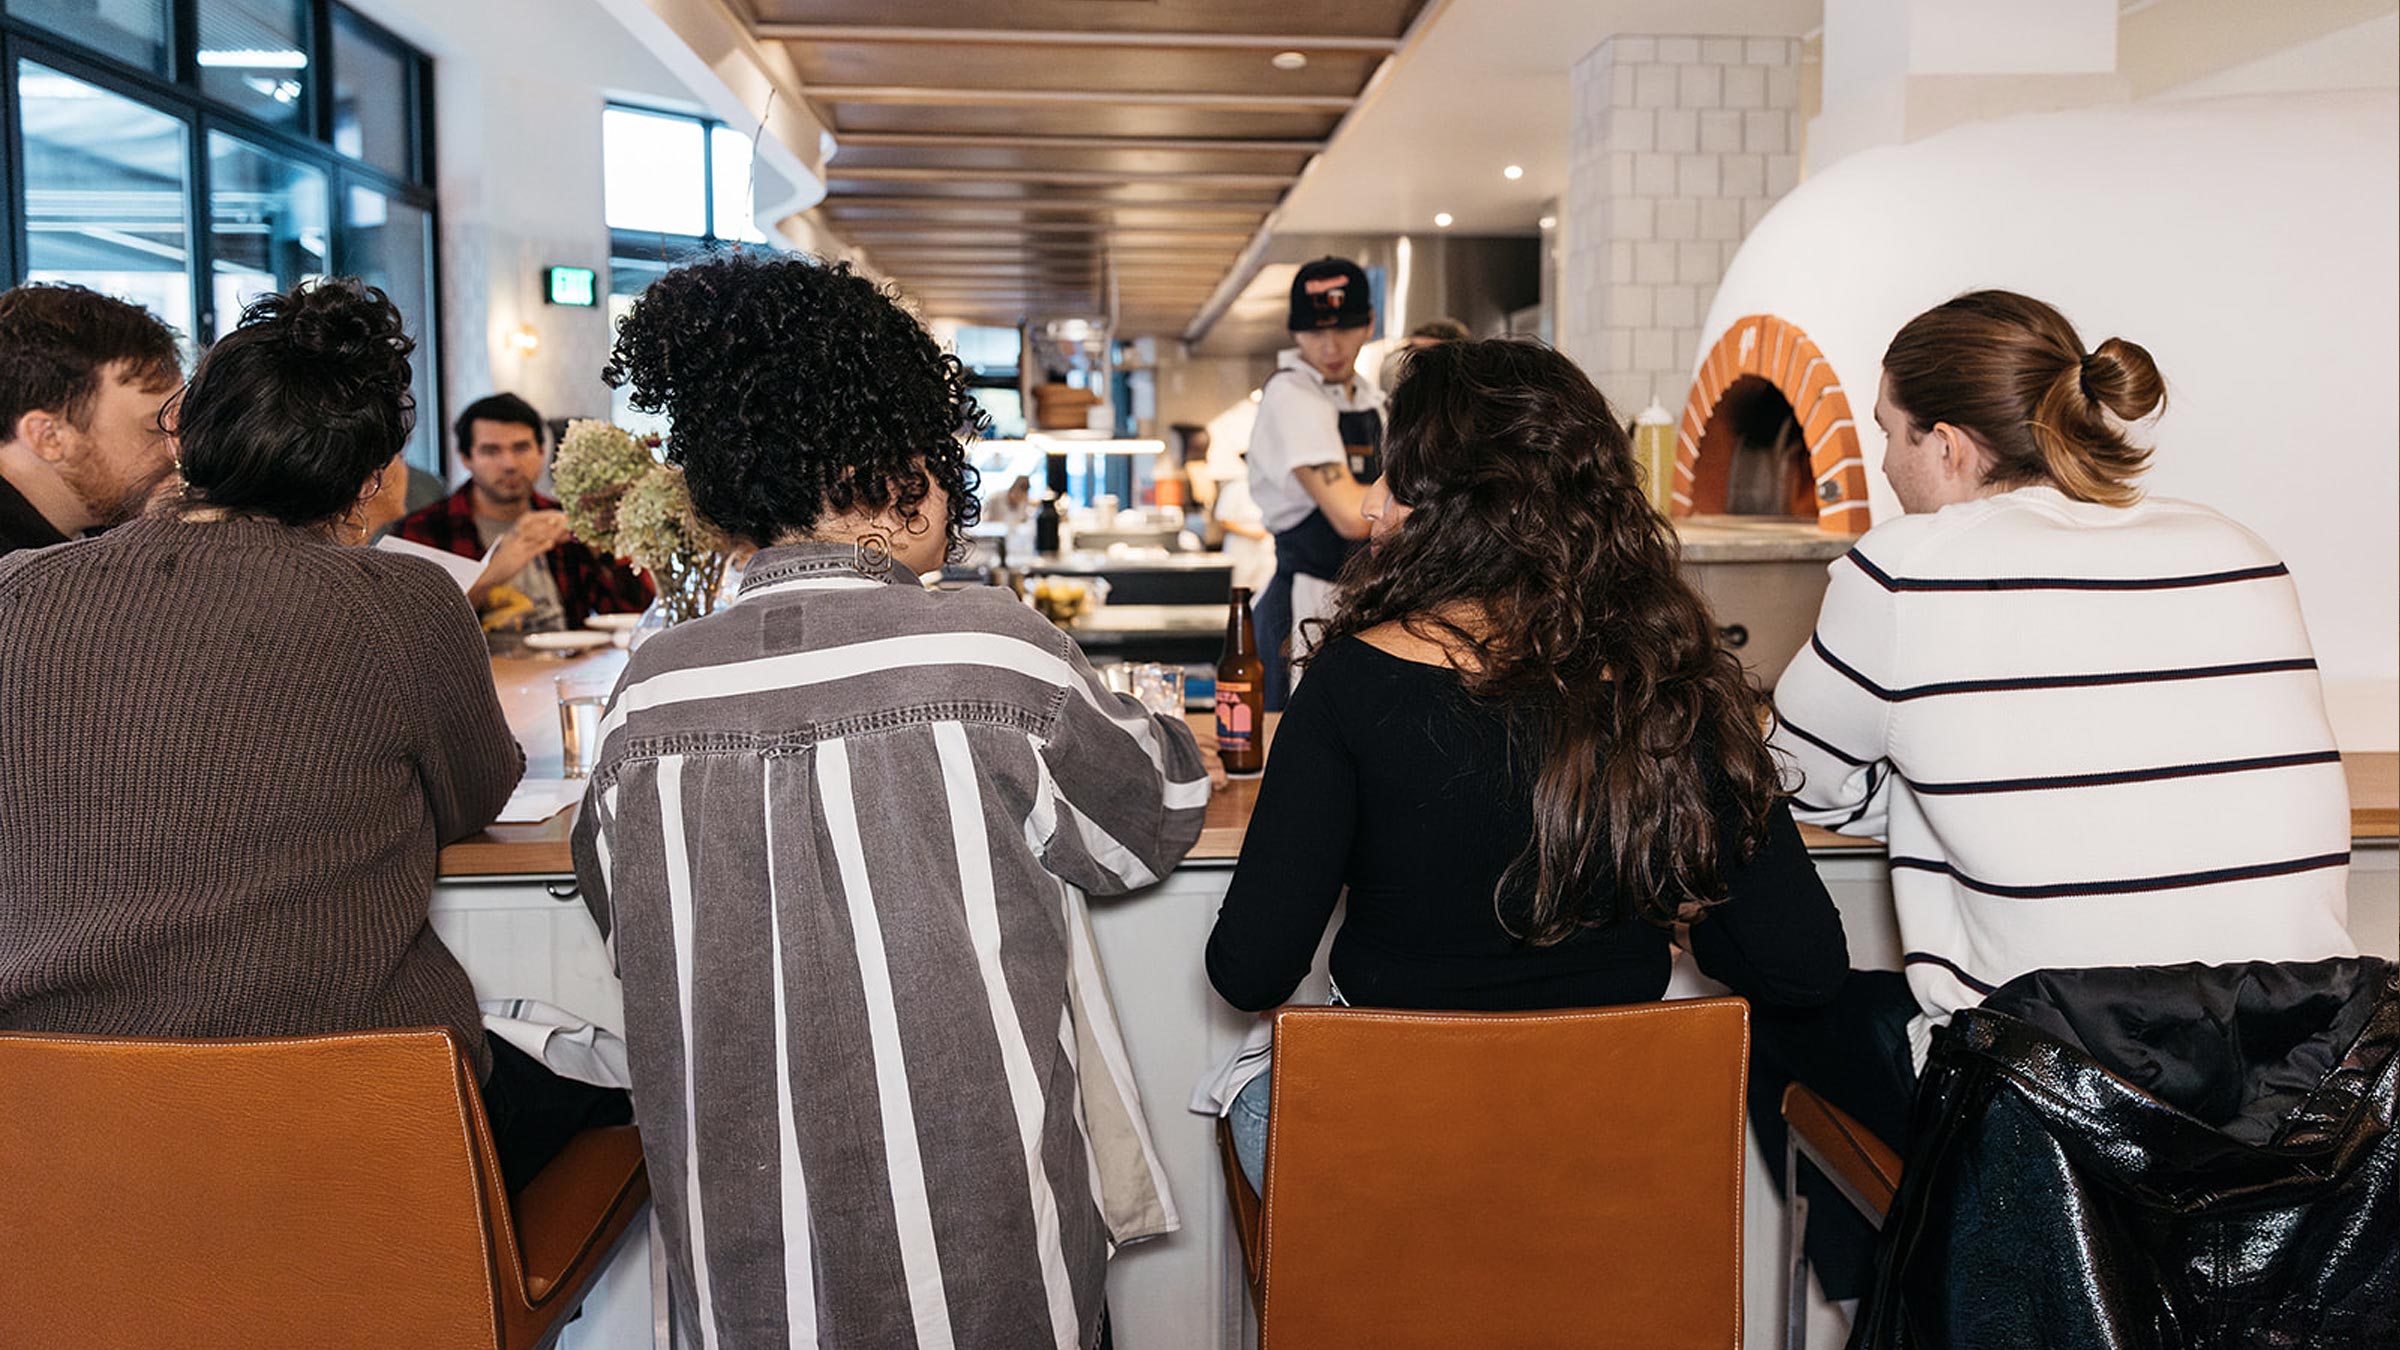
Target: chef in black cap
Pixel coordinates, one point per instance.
(1313, 451)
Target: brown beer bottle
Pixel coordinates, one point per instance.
(1241, 693)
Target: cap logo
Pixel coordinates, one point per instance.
(1327, 292)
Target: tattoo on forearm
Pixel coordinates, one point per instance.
(1328, 474)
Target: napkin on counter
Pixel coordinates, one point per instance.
(538, 799)
(566, 1044)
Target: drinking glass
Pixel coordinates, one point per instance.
(582, 701)
(1159, 687)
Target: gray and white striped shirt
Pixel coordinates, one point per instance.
(839, 837)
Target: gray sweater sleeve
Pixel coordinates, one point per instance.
(465, 754)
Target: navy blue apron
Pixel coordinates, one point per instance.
(1313, 548)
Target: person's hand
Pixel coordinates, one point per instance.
(1209, 759)
(534, 534)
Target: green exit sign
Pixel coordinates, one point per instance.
(572, 286)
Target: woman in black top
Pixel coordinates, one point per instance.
(1520, 746)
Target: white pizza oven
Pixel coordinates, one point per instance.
(2247, 242)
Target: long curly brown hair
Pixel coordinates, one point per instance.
(1530, 548)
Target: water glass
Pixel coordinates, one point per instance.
(1159, 687)
(582, 701)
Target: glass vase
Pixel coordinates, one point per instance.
(689, 587)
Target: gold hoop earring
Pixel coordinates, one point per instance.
(872, 554)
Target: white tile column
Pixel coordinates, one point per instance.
(1679, 145)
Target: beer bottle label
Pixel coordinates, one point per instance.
(1234, 728)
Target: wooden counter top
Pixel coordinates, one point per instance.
(530, 700)
(541, 850)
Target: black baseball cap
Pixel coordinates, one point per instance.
(1330, 293)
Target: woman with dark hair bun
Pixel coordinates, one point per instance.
(2088, 722)
(1520, 747)
(839, 833)
(235, 746)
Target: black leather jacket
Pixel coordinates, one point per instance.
(2177, 1156)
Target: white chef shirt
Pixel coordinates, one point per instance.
(1298, 428)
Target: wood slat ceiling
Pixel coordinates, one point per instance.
(1006, 159)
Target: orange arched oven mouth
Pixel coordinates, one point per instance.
(1780, 353)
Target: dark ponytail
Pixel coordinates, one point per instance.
(2011, 371)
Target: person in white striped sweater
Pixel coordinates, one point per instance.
(2089, 723)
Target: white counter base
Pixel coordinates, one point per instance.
(1184, 1291)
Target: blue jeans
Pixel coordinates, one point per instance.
(1271, 614)
(1249, 1121)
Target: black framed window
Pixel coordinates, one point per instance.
(136, 32)
(674, 185)
(269, 225)
(190, 155)
(388, 241)
(254, 57)
(106, 196)
(375, 84)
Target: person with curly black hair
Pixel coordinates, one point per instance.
(803, 397)
(840, 832)
(234, 746)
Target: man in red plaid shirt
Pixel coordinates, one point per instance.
(496, 513)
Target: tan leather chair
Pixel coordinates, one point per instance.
(1568, 1178)
(1860, 1166)
(323, 1190)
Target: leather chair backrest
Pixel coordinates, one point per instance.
(1567, 1178)
(326, 1190)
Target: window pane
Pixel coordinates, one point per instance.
(389, 243)
(266, 224)
(133, 31)
(989, 351)
(372, 85)
(735, 218)
(253, 58)
(627, 279)
(1006, 408)
(106, 197)
(656, 173)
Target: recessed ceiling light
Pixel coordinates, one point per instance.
(1513, 172)
(1549, 222)
(1441, 220)
(1288, 60)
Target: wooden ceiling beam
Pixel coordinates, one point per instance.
(1070, 37)
(1164, 299)
(989, 231)
(944, 140)
(952, 96)
(1047, 202)
(1151, 254)
(1065, 177)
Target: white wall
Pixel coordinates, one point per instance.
(2366, 56)
(518, 91)
(2253, 245)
